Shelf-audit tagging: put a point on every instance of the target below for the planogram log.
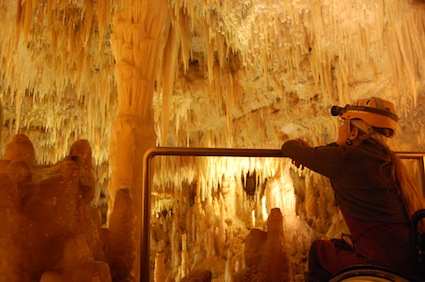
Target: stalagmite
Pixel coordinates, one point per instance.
(20, 149)
(92, 85)
(120, 238)
(51, 230)
(266, 258)
(159, 274)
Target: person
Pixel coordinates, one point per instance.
(372, 188)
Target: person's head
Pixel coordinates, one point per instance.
(366, 118)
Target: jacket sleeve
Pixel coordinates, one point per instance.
(327, 160)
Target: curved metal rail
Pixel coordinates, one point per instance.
(208, 152)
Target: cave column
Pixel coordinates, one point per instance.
(137, 39)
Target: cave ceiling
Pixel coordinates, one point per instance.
(249, 74)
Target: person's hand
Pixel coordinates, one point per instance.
(304, 143)
(297, 164)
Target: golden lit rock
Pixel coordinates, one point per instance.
(266, 257)
(120, 238)
(20, 149)
(51, 231)
(111, 79)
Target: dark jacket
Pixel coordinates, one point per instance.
(361, 183)
(369, 202)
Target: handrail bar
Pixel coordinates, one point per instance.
(205, 152)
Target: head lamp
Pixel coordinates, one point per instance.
(337, 111)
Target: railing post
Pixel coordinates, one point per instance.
(206, 152)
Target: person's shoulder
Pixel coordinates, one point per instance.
(291, 142)
(357, 151)
(347, 150)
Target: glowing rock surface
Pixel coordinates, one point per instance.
(266, 257)
(51, 230)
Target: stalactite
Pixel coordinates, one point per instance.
(57, 53)
(290, 24)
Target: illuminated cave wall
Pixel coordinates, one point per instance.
(127, 75)
(201, 224)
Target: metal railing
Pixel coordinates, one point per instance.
(208, 152)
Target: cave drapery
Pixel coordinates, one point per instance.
(132, 74)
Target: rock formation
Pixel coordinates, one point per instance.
(51, 229)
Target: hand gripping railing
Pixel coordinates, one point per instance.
(206, 152)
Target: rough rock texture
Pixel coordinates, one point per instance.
(198, 276)
(51, 231)
(119, 237)
(266, 258)
(240, 74)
